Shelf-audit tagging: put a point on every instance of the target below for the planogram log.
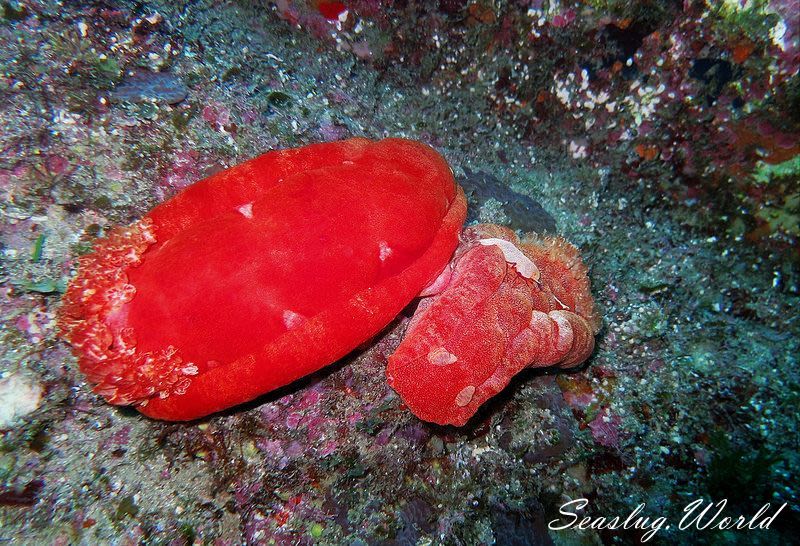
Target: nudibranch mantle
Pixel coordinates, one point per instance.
(260, 274)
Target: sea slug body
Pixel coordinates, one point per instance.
(260, 274)
(266, 272)
(506, 305)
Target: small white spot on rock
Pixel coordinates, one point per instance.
(246, 210)
(515, 256)
(441, 357)
(465, 396)
(19, 396)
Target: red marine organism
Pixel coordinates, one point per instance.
(499, 307)
(330, 9)
(261, 274)
(275, 268)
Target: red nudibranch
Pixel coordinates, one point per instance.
(275, 268)
(499, 307)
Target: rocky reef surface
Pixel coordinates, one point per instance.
(659, 137)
